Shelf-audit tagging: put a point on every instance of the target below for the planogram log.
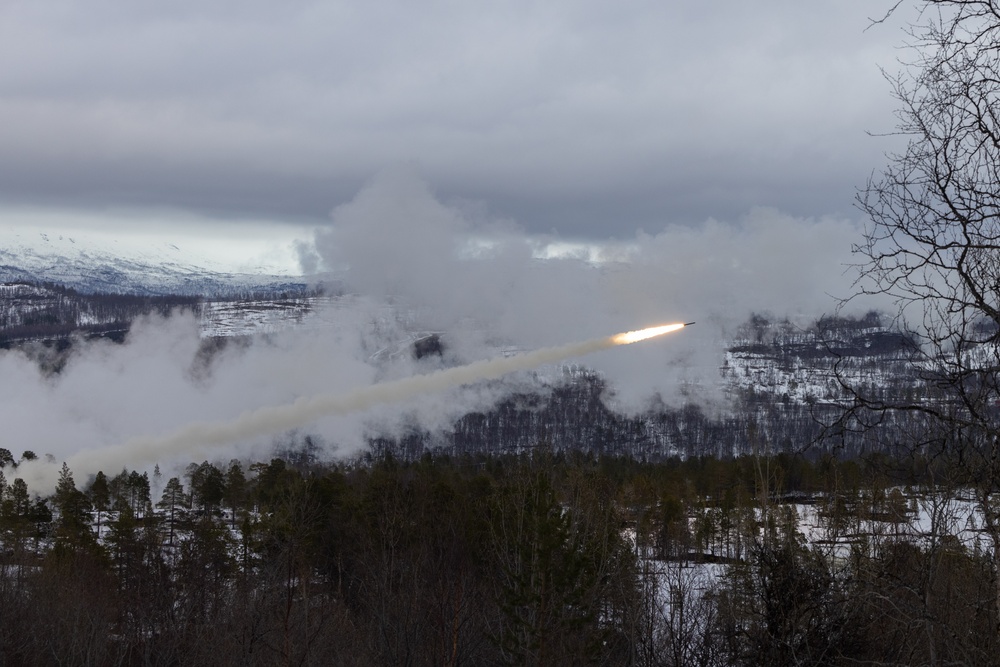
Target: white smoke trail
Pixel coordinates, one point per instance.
(193, 439)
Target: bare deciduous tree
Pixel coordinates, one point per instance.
(933, 245)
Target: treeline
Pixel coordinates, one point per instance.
(48, 310)
(540, 559)
(576, 416)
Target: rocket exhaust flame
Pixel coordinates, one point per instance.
(644, 334)
(191, 440)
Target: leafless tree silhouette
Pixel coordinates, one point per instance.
(933, 245)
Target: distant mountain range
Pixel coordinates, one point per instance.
(151, 268)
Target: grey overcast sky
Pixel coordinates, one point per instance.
(587, 118)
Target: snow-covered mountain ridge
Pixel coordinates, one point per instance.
(132, 265)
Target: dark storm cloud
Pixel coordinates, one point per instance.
(590, 118)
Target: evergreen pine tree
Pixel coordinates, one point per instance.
(73, 507)
(100, 497)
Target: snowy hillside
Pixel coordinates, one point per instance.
(789, 365)
(130, 264)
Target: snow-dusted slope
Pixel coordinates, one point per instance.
(128, 264)
(798, 366)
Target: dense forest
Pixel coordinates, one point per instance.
(538, 559)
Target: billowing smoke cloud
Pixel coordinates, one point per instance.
(476, 277)
(194, 439)
(419, 264)
(156, 383)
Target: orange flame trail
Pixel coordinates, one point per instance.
(643, 334)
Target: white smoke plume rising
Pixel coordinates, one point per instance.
(194, 439)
